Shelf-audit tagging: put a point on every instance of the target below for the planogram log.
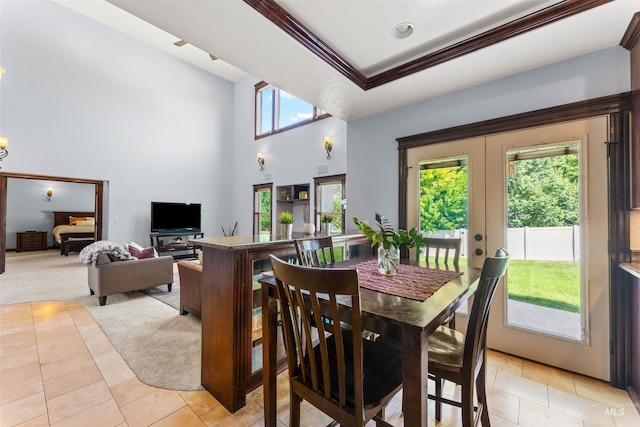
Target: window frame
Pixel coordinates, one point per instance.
(257, 188)
(326, 180)
(317, 114)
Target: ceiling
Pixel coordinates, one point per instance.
(342, 55)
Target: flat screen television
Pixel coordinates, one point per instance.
(175, 217)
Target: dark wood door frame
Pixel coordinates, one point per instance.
(98, 205)
(618, 109)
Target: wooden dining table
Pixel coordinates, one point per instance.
(406, 320)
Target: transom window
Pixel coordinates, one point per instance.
(277, 111)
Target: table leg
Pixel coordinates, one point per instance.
(269, 356)
(414, 377)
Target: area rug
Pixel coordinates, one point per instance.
(162, 347)
(172, 299)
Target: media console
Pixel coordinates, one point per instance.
(176, 244)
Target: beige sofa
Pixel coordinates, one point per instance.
(111, 277)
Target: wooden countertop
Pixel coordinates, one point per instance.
(631, 268)
(264, 240)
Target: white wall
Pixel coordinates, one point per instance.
(82, 100)
(30, 209)
(291, 157)
(372, 153)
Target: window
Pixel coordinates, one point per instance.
(331, 197)
(277, 111)
(262, 209)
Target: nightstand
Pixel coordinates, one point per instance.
(31, 241)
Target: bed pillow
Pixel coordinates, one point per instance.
(83, 223)
(141, 253)
(74, 219)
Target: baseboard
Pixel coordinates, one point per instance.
(634, 398)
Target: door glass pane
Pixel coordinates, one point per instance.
(543, 237)
(444, 201)
(444, 207)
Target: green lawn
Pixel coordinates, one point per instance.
(552, 284)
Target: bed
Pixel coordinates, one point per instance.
(72, 226)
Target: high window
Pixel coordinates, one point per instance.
(277, 111)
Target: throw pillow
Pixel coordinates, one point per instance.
(84, 223)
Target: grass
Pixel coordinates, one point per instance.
(553, 284)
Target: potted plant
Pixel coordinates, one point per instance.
(326, 223)
(390, 241)
(286, 224)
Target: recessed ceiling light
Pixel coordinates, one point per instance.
(402, 31)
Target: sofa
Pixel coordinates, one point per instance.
(190, 286)
(109, 276)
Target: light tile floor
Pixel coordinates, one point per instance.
(57, 368)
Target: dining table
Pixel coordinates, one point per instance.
(392, 308)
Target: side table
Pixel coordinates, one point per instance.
(31, 241)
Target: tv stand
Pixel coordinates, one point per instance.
(176, 244)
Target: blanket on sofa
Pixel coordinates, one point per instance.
(90, 253)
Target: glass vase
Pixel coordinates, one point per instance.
(388, 261)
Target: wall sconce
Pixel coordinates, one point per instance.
(261, 161)
(49, 193)
(4, 141)
(328, 145)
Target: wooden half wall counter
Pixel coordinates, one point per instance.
(231, 310)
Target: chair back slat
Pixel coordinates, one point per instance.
(314, 346)
(444, 248)
(315, 252)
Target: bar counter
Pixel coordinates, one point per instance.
(231, 307)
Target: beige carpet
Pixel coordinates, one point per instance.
(162, 347)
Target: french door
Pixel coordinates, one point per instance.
(542, 194)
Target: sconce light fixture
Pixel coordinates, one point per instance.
(49, 193)
(261, 161)
(328, 145)
(4, 141)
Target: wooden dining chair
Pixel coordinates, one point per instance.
(461, 358)
(447, 254)
(447, 250)
(350, 380)
(315, 252)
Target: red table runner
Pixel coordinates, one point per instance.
(413, 282)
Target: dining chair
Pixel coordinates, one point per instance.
(350, 380)
(315, 252)
(447, 250)
(447, 254)
(461, 358)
